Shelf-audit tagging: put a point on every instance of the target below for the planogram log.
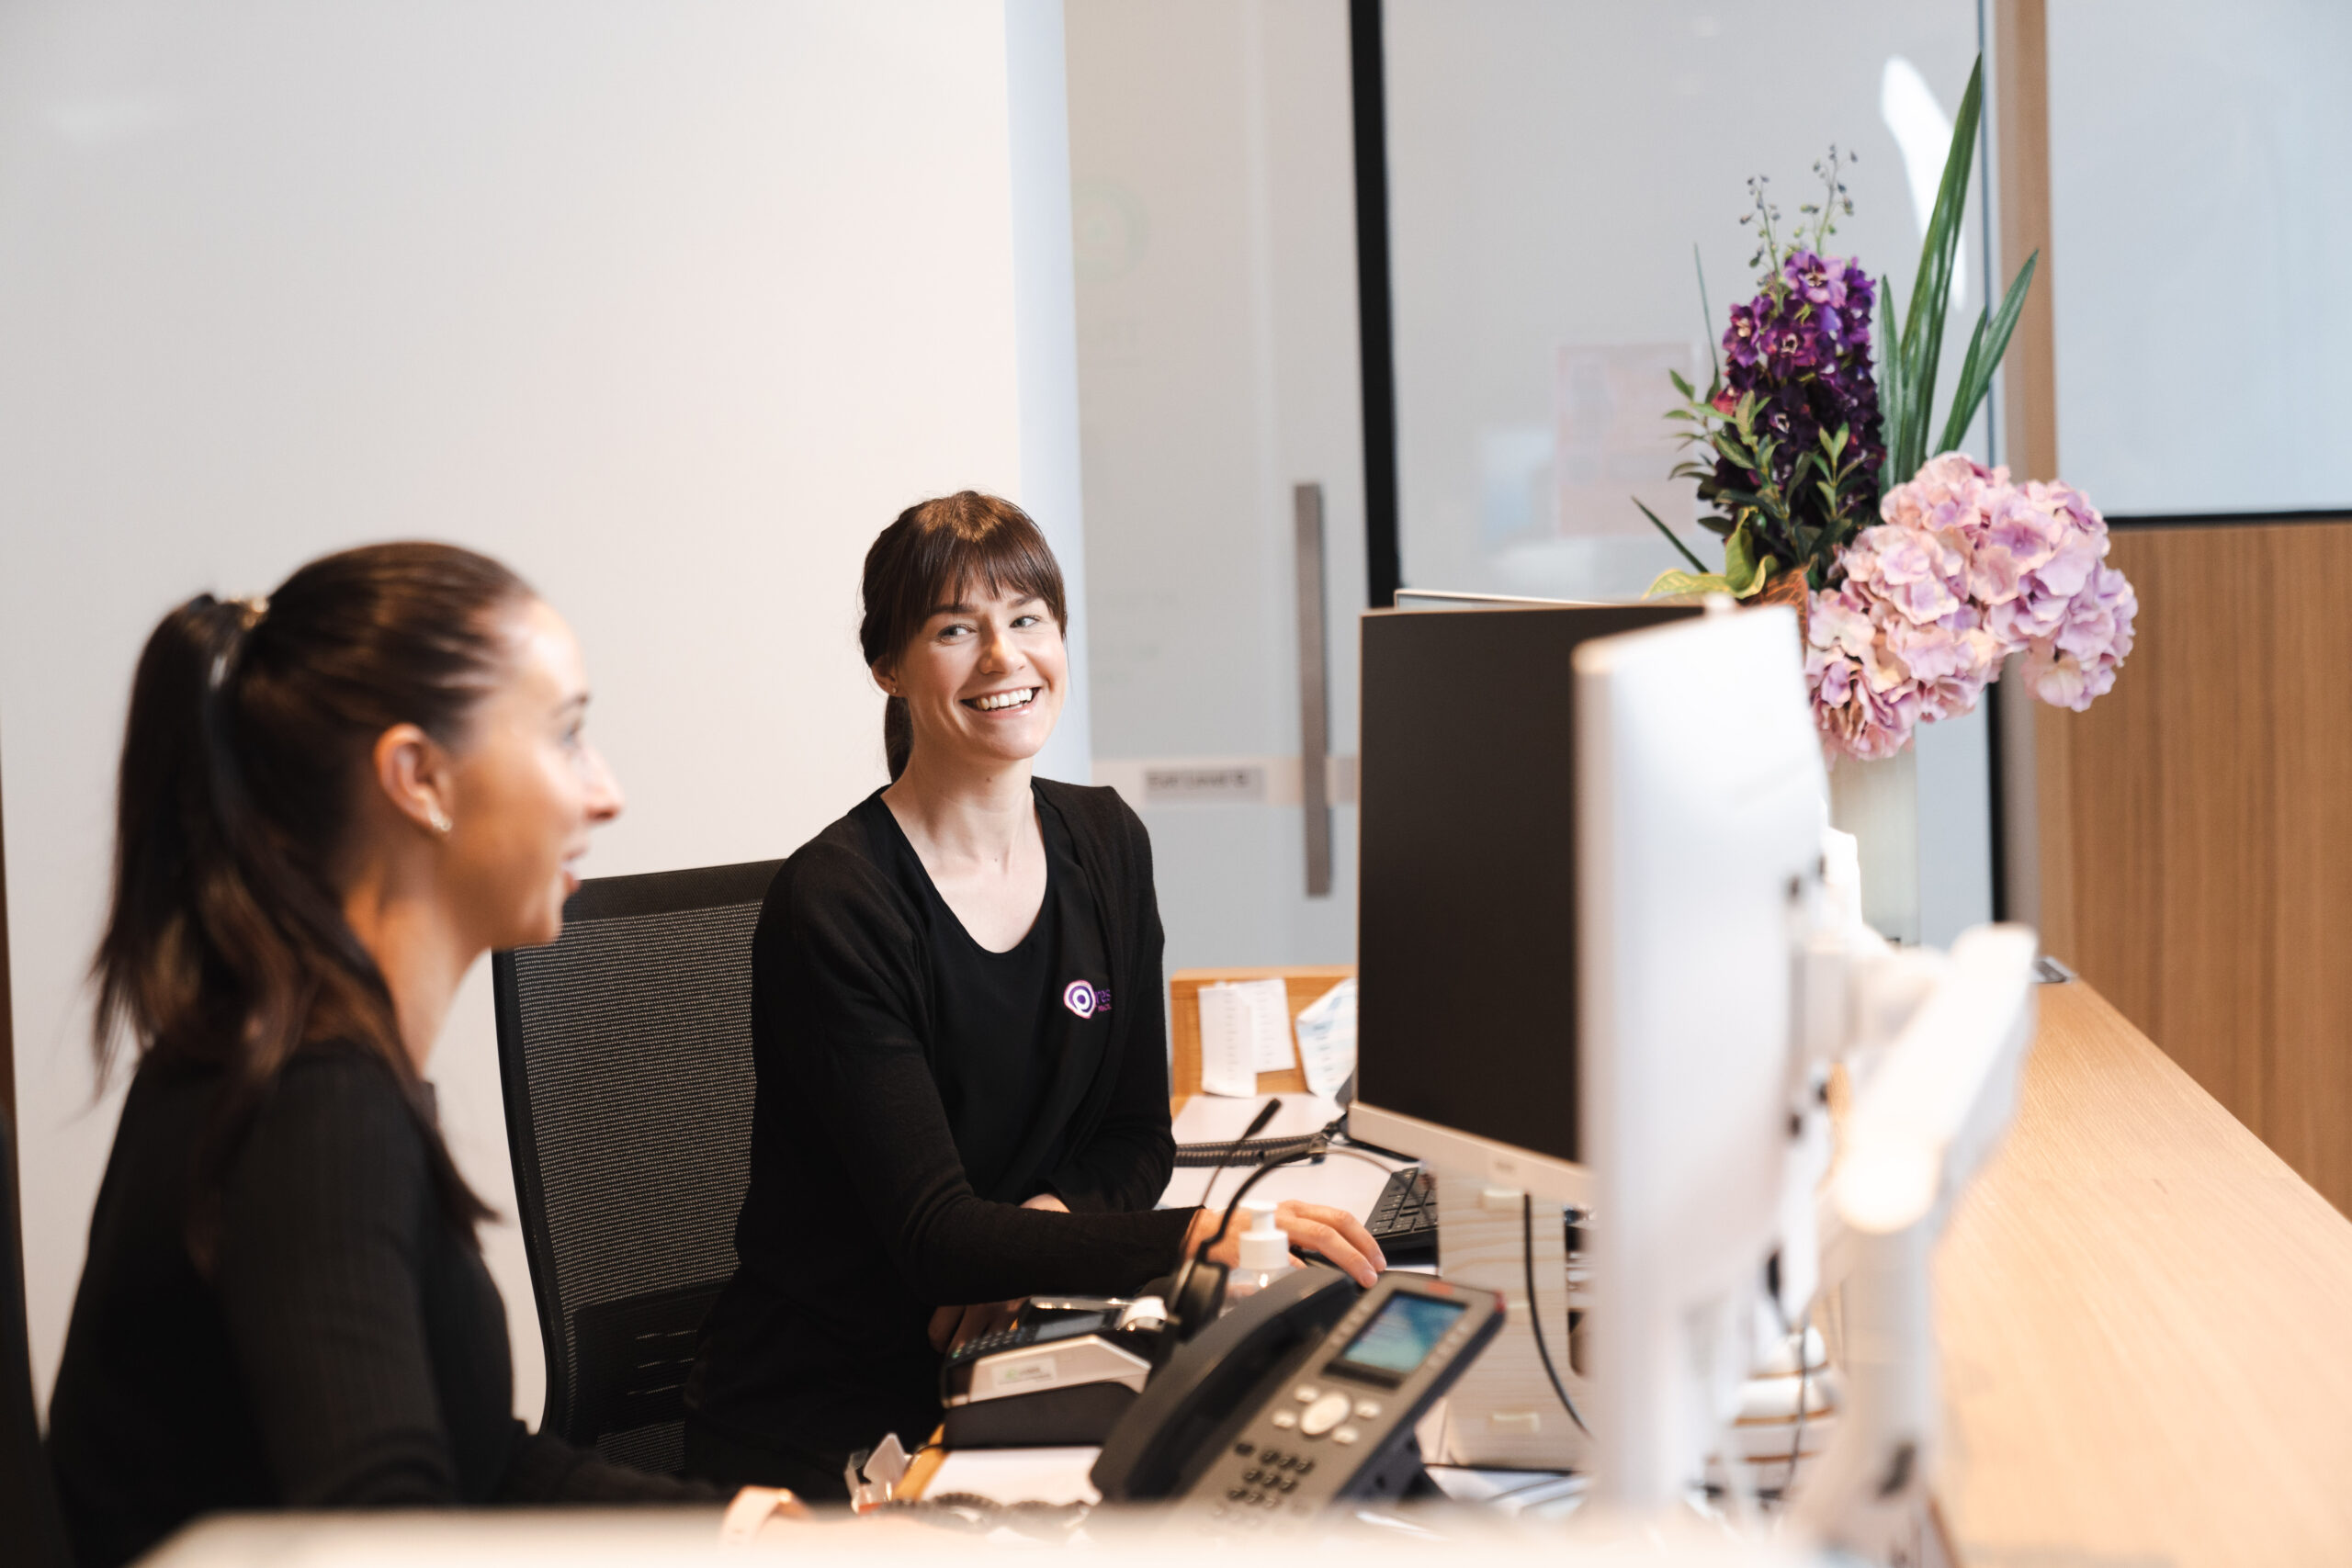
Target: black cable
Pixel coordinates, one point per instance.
(1257, 1125)
(1535, 1310)
(1221, 1155)
(1804, 1370)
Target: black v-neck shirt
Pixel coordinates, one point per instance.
(347, 1349)
(913, 1090)
(995, 1056)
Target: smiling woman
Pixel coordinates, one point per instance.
(960, 1034)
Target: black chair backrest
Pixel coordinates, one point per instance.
(28, 1494)
(625, 1049)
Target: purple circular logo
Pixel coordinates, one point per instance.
(1079, 999)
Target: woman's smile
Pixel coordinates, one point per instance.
(1019, 697)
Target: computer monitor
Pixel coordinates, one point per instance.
(1466, 928)
(1699, 807)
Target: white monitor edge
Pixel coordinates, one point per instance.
(1449, 1149)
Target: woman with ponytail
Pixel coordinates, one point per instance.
(960, 1034)
(332, 803)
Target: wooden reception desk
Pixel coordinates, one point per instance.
(2146, 1317)
(2147, 1325)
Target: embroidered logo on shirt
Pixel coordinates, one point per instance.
(1084, 999)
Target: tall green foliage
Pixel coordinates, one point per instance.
(1909, 358)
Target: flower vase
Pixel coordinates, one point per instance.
(1878, 802)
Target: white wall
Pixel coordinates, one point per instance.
(672, 306)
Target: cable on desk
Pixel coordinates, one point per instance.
(1195, 1155)
(1804, 1373)
(1535, 1309)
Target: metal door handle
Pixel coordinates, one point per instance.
(1313, 690)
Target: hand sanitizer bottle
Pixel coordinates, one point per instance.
(1265, 1256)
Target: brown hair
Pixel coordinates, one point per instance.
(250, 725)
(928, 557)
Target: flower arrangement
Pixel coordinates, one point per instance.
(1802, 442)
(1966, 569)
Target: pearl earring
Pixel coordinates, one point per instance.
(438, 818)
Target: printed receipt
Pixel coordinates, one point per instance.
(1245, 1031)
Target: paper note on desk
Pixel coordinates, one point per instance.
(1245, 1031)
(1327, 1039)
(1018, 1475)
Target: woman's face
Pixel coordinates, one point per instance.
(984, 679)
(526, 788)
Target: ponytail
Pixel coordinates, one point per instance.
(226, 946)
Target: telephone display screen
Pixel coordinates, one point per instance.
(1399, 1338)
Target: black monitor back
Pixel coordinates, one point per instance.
(1465, 932)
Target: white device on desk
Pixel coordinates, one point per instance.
(1338, 1423)
(1587, 840)
(1925, 1118)
(1063, 1373)
(1698, 803)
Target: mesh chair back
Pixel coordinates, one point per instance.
(28, 1494)
(625, 1049)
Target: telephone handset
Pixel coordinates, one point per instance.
(1180, 1422)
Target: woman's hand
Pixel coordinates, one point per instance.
(952, 1326)
(1339, 1235)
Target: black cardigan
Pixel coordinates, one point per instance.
(347, 1349)
(860, 1220)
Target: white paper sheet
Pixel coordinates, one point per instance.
(1017, 1475)
(1245, 1031)
(1327, 1039)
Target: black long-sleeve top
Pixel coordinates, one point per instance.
(347, 1348)
(862, 1215)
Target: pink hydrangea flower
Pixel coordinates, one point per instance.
(1963, 570)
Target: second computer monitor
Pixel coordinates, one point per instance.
(1466, 917)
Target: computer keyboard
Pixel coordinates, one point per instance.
(1404, 1218)
(1404, 1221)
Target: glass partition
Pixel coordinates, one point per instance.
(2203, 298)
(1551, 165)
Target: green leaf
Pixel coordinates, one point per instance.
(1675, 584)
(1923, 329)
(1891, 389)
(1682, 385)
(1976, 372)
(1745, 565)
(1696, 563)
(1706, 313)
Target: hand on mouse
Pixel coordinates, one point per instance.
(1338, 1234)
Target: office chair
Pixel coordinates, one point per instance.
(625, 1050)
(28, 1494)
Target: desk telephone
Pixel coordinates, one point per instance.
(1303, 1395)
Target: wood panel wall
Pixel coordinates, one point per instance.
(2197, 826)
